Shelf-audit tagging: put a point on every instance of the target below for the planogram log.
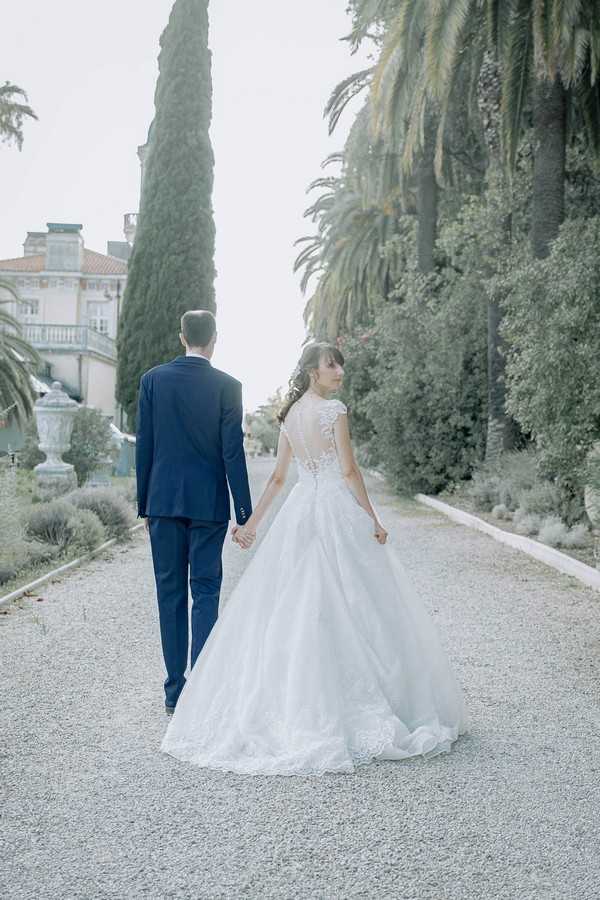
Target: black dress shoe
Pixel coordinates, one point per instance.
(169, 709)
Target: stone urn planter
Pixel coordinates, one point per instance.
(54, 415)
(591, 496)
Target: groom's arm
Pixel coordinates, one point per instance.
(232, 440)
(144, 446)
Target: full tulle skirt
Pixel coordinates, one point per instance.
(323, 659)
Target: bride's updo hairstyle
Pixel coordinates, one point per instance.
(312, 356)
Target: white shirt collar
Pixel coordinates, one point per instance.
(199, 355)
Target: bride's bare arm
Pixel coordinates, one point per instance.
(353, 475)
(245, 534)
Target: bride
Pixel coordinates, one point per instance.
(323, 659)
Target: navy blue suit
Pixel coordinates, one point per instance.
(189, 449)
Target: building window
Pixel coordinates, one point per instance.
(100, 325)
(53, 282)
(97, 318)
(29, 310)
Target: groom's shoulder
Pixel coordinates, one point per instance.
(155, 371)
(226, 379)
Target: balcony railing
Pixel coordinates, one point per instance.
(69, 337)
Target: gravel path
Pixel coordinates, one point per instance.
(90, 809)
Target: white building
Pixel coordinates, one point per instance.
(69, 306)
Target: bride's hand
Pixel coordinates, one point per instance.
(380, 533)
(243, 536)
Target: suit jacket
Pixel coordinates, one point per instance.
(190, 443)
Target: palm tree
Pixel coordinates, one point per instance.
(540, 54)
(549, 59)
(346, 256)
(12, 113)
(17, 360)
(407, 113)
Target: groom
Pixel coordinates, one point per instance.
(189, 448)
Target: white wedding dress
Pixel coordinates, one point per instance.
(323, 659)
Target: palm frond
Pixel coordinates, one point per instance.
(518, 73)
(343, 94)
(444, 35)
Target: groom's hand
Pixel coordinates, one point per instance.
(241, 536)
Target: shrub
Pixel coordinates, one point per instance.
(62, 525)
(38, 553)
(554, 532)
(108, 505)
(542, 499)
(127, 488)
(504, 481)
(552, 330)
(500, 511)
(427, 400)
(51, 523)
(30, 454)
(526, 523)
(89, 531)
(7, 573)
(483, 491)
(91, 442)
(10, 521)
(578, 536)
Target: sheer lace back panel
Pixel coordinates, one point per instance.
(309, 428)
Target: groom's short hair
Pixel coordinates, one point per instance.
(198, 327)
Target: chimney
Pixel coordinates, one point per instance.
(35, 243)
(64, 247)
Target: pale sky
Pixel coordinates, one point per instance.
(90, 71)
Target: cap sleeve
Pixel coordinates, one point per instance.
(329, 413)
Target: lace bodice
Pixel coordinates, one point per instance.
(309, 428)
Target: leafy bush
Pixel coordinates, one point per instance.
(526, 523)
(424, 407)
(554, 532)
(91, 442)
(542, 499)
(36, 553)
(127, 488)
(51, 523)
(500, 511)
(263, 424)
(552, 327)
(7, 572)
(109, 506)
(88, 532)
(30, 454)
(63, 525)
(504, 481)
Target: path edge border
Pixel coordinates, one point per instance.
(62, 570)
(547, 555)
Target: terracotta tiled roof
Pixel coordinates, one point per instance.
(100, 264)
(23, 264)
(93, 264)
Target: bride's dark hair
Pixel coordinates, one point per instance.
(300, 380)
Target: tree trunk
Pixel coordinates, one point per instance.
(549, 120)
(501, 428)
(427, 205)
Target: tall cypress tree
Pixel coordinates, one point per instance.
(172, 263)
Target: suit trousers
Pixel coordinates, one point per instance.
(182, 546)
